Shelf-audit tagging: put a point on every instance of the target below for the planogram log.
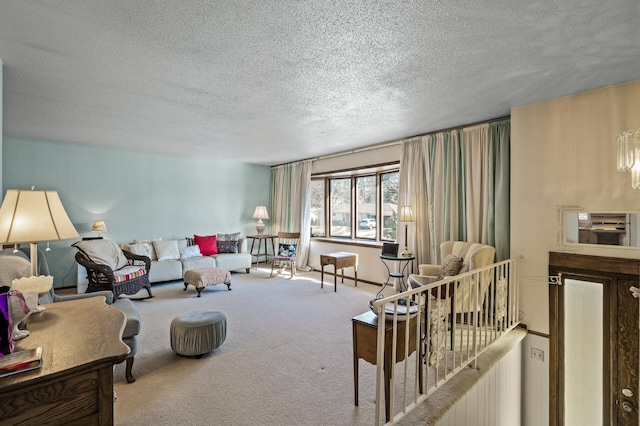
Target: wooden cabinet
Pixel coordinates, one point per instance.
(81, 341)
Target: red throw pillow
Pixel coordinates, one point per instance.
(207, 244)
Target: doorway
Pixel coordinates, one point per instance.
(593, 340)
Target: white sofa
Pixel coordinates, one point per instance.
(173, 266)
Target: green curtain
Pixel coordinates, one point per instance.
(466, 175)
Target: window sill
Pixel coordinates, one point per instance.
(348, 242)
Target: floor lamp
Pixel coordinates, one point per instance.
(406, 216)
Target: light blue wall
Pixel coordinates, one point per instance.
(138, 195)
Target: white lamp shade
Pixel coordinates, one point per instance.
(406, 214)
(260, 213)
(99, 226)
(31, 216)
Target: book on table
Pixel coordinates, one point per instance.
(17, 362)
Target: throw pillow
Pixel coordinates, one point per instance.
(167, 250)
(228, 237)
(287, 250)
(151, 249)
(190, 251)
(191, 241)
(141, 249)
(227, 246)
(450, 266)
(207, 244)
(102, 252)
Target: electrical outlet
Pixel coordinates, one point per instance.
(537, 354)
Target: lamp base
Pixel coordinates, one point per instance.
(406, 253)
(260, 228)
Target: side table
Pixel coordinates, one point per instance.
(339, 260)
(260, 239)
(365, 343)
(403, 268)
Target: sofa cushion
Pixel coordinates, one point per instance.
(141, 249)
(102, 252)
(150, 242)
(167, 250)
(227, 246)
(228, 237)
(198, 262)
(207, 244)
(165, 270)
(190, 251)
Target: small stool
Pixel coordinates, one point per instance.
(203, 277)
(198, 332)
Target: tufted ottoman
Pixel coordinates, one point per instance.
(203, 277)
(198, 332)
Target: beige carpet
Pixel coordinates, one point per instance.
(287, 358)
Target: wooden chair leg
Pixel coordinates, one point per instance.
(130, 378)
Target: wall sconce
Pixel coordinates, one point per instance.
(406, 216)
(628, 146)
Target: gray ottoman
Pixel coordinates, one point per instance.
(198, 332)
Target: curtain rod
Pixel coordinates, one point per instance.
(394, 142)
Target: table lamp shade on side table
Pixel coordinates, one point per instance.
(406, 216)
(260, 213)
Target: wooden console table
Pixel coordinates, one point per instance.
(365, 343)
(339, 260)
(81, 341)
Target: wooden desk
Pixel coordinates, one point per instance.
(260, 239)
(365, 338)
(339, 260)
(81, 341)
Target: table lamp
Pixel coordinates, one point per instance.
(260, 213)
(99, 226)
(34, 216)
(406, 216)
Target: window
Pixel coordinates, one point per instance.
(360, 204)
(340, 207)
(317, 208)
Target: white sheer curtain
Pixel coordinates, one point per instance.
(290, 204)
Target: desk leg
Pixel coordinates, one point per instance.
(387, 385)
(355, 366)
(335, 278)
(355, 276)
(322, 278)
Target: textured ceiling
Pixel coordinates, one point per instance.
(270, 81)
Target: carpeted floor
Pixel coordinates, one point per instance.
(287, 358)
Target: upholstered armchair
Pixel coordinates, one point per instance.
(458, 257)
(111, 268)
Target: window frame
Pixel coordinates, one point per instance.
(353, 174)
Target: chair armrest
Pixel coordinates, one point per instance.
(429, 270)
(106, 294)
(96, 268)
(136, 259)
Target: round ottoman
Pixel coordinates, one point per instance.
(198, 332)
